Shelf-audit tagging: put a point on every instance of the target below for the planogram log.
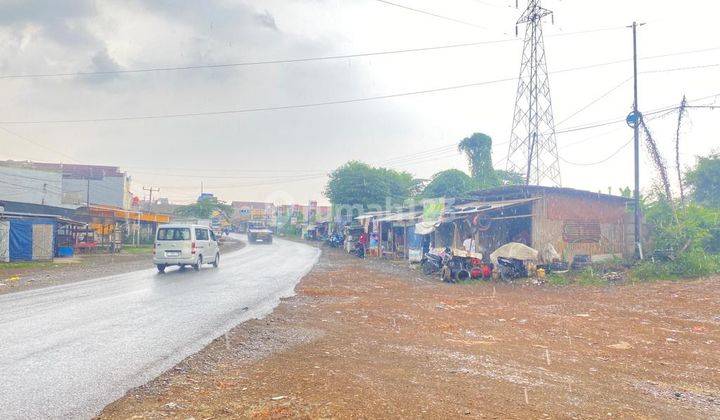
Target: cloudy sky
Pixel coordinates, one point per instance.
(283, 155)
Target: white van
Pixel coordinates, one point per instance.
(182, 245)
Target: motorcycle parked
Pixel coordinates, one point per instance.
(455, 269)
(359, 250)
(433, 263)
(336, 240)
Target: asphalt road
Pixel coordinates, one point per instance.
(67, 351)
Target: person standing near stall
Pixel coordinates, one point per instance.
(469, 244)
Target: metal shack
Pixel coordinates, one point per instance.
(572, 221)
(26, 238)
(34, 231)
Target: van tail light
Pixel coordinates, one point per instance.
(193, 249)
(154, 248)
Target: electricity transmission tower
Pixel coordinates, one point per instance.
(533, 148)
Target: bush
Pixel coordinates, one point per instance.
(694, 263)
(689, 228)
(688, 235)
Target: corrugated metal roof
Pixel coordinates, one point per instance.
(371, 214)
(483, 206)
(401, 217)
(38, 209)
(528, 190)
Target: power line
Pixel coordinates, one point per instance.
(424, 12)
(180, 175)
(699, 67)
(703, 106)
(257, 109)
(425, 159)
(221, 170)
(604, 95)
(654, 117)
(286, 107)
(391, 161)
(288, 60)
(594, 101)
(615, 153)
(622, 119)
(325, 103)
(422, 153)
(33, 142)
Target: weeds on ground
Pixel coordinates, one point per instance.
(691, 264)
(555, 279)
(142, 249)
(471, 282)
(23, 265)
(590, 277)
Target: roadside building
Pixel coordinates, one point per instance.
(35, 232)
(114, 226)
(30, 185)
(65, 184)
(563, 221)
(572, 221)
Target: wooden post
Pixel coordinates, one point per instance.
(406, 250)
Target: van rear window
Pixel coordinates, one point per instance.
(173, 234)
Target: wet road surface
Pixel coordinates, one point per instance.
(67, 351)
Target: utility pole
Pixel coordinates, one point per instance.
(87, 192)
(635, 119)
(151, 190)
(277, 212)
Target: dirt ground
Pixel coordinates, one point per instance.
(82, 267)
(364, 340)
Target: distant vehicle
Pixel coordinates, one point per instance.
(185, 245)
(257, 231)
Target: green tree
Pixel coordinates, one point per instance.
(704, 180)
(359, 184)
(204, 208)
(478, 149)
(449, 183)
(509, 178)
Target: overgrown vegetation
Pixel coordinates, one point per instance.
(478, 150)
(685, 235)
(687, 264)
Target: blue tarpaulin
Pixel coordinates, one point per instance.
(22, 238)
(414, 241)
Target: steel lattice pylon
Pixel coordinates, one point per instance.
(533, 148)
